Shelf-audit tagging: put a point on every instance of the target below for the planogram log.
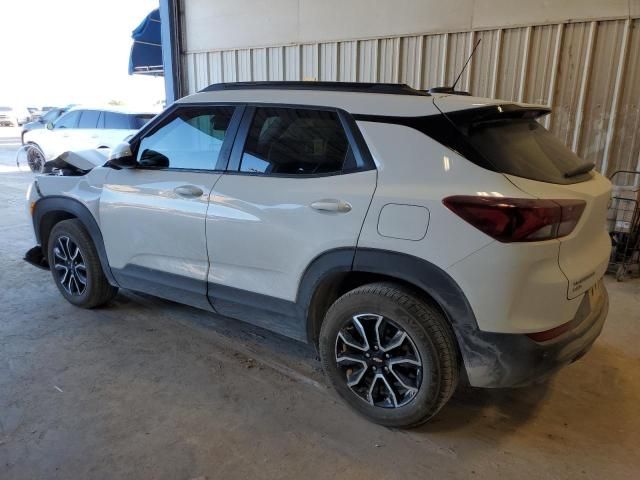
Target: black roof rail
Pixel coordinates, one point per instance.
(388, 88)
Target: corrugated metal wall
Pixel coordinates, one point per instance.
(588, 72)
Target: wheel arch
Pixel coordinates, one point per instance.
(49, 211)
(336, 272)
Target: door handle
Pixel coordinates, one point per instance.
(188, 191)
(331, 205)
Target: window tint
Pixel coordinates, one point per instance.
(294, 141)
(192, 139)
(89, 119)
(140, 120)
(116, 120)
(68, 120)
(525, 148)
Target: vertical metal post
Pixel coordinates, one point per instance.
(396, 62)
(554, 72)
(496, 64)
(615, 102)
(418, 69)
(171, 39)
(586, 73)
(376, 66)
(469, 72)
(443, 60)
(525, 64)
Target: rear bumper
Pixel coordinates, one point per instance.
(495, 360)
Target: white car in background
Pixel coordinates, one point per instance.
(13, 116)
(85, 128)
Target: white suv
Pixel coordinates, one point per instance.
(415, 239)
(83, 128)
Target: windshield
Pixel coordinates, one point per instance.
(51, 115)
(141, 119)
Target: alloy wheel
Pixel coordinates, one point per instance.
(69, 266)
(35, 159)
(379, 360)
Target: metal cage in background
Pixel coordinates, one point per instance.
(623, 224)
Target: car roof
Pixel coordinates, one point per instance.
(356, 98)
(113, 109)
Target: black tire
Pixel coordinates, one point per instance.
(429, 334)
(35, 158)
(96, 290)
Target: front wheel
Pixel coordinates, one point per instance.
(35, 157)
(389, 354)
(76, 267)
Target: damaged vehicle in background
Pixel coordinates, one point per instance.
(48, 116)
(416, 240)
(82, 128)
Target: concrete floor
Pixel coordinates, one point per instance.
(150, 389)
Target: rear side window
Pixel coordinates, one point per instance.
(68, 120)
(117, 121)
(191, 140)
(295, 141)
(89, 119)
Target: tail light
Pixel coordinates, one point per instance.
(518, 219)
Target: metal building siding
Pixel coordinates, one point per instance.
(588, 72)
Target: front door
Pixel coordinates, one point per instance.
(153, 217)
(300, 188)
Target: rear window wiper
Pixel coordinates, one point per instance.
(580, 169)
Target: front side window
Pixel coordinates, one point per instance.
(192, 139)
(295, 141)
(68, 120)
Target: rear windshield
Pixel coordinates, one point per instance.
(141, 119)
(513, 142)
(525, 148)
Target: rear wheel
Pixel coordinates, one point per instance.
(389, 354)
(75, 266)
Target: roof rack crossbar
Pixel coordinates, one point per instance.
(388, 88)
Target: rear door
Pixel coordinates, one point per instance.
(297, 186)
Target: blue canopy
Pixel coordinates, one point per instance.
(146, 51)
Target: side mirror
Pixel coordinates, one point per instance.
(151, 158)
(49, 126)
(122, 157)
